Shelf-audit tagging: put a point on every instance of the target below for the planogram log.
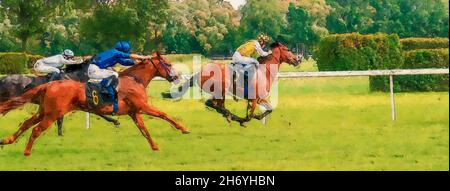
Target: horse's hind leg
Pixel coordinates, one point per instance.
(23, 127)
(41, 127)
(59, 122)
(137, 118)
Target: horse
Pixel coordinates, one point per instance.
(58, 98)
(221, 83)
(16, 85)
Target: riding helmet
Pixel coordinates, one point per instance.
(123, 46)
(68, 53)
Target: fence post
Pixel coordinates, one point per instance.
(391, 84)
(88, 122)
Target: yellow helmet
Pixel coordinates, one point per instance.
(263, 38)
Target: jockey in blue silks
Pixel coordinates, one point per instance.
(100, 67)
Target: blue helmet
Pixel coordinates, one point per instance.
(123, 46)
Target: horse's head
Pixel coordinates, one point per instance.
(164, 68)
(283, 54)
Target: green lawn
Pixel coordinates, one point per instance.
(319, 124)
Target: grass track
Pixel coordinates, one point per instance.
(319, 124)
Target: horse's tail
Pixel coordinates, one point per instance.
(17, 102)
(181, 90)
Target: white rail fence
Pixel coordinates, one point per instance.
(390, 73)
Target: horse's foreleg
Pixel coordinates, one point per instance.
(137, 118)
(24, 127)
(152, 111)
(220, 108)
(109, 119)
(251, 109)
(59, 122)
(268, 108)
(41, 127)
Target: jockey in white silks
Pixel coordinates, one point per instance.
(52, 65)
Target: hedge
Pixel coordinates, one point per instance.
(17, 63)
(354, 51)
(424, 43)
(13, 63)
(424, 58)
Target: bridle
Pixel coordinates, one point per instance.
(165, 67)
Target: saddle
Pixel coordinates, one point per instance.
(99, 94)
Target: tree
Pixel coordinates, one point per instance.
(27, 17)
(201, 25)
(427, 18)
(110, 23)
(318, 10)
(407, 18)
(152, 16)
(262, 17)
(386, 18)
(350, 16)
(299, 28)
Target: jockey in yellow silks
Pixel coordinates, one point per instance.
(245, 61)
(248, 53)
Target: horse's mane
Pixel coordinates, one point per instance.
(76, 67)
(272, 46)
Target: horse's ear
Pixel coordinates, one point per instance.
(158, 54)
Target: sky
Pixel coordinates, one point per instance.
(236, 3)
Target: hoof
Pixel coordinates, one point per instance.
(186, 132)
(27, 153)
(6, 141)
(229, 119)
(156, 149)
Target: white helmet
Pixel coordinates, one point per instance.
(68, 53)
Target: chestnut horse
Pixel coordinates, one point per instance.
(61, 97)
(220, 83)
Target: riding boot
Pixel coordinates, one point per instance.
(110, 84)
(112, 92)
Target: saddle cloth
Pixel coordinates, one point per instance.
(97, 96)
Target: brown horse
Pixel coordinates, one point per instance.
(61, 97)
(217, 80)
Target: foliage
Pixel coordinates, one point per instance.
(424, 43)
(261, 17)
(199, 26)
(300, 27)
(205, 26)
(13, 63)
(407, 18)
(354, 51)
(27, 17)
(424, 58)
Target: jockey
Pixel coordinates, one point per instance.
(100, 67)
(52, 65)
(247, 53)
(245, 56)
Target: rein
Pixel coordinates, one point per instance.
(139, 80)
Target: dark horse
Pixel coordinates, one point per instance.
(16, 85)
